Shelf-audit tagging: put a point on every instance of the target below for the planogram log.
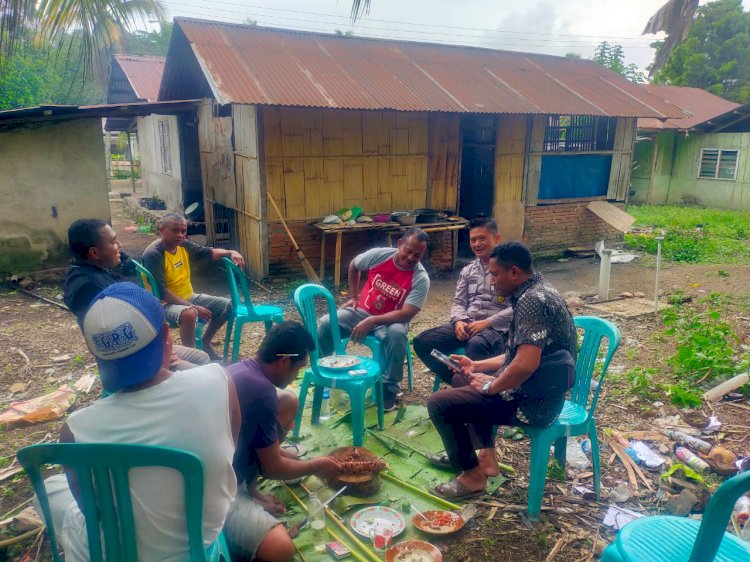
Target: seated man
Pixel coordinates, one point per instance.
(194, 410)
(479, 316)
(251, 531)
(395, 289)
(528, 383)
(168, 259)
(97, 253)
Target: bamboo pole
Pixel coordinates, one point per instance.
(427, 495)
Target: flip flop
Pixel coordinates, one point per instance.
(440, 460)
(457, 490)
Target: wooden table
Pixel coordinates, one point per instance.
(390, 228)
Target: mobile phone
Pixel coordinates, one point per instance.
(445, 360)
(337, 550)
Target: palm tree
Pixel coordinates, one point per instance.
(97, 24)
(360, 8)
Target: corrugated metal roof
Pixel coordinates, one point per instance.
(143, 73)
(255, 65)
(698, 106)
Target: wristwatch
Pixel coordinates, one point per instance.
(486, 388)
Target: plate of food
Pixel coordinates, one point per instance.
(339, 362)
(413, 551)
(363, 521)
(438, 522)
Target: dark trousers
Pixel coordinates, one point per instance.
(457, 412)
(486, 344)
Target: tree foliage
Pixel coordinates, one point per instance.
(613, 57)
(148, 43)
(716, 54)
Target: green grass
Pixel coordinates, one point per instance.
(692, 234)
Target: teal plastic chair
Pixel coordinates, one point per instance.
(577, 416)
(243, 310)
(376, 346)
(357, 387)
(148, 283)
(679, 539)
(102, 473)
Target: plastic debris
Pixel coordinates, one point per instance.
(620, 493)
(43, 408)
(691, 459)
(690, 441)
(617, 517)
(713, 426)
(574, 455)
(648, 457)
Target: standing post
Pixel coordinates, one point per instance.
(604, 274)
(659, 240)
(130, 157)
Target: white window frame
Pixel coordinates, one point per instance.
(720, 152)
(165, 148)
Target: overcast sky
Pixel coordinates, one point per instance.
(542, 26)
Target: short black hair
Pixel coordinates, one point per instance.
(288, 339)
(513, 253)
(421, 235)
(169, 217)
(83, 235)
(484, 222)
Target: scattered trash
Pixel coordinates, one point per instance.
(658, 404)
(689, 472)
(691, 459)
(586, 447)
(26, 282)
(742, 509)
(722, 460)
(587, 493)
(131, 228)
(717, 392)
(743, 464)
(61, 358)
(633, 455)
(574, 455)
(682, 504)
(690, 441)
(43, 408)
(644, 453)
(617, 517)
(620, 493)
(712, 427)
(85, 383)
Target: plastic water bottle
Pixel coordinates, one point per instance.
(316, 517)
(690, 441)
(692, 460)
(325, 407)
(742, 510)
(574, 455)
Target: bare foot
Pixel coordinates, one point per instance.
(270, 503)
(488, 462)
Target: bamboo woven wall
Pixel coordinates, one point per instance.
(445, 159)
(318, 161)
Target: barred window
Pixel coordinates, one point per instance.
(166, 152)
(579, 133)
(718, 164)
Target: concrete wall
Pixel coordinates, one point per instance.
(685, 187)
(50, 175)
(168, 187)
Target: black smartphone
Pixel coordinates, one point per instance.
(445, 360)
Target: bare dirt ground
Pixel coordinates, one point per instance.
(570, 528)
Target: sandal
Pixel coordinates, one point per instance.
(440, 460)
(457, 490)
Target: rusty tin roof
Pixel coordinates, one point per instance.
(697, 105)
(143, 73)
(256, 65)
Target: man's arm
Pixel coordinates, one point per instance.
(521, 368)
(354, 277)
(461, 299)
(401, 316)
(500, 321)
(275, 466)
(235, 414)
(236, 257)
(66, 436)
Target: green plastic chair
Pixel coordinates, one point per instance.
(357, 387)
(376, 346)
(102, 473)
(148, 283)
(577, 416)
(679, 539)
(243, 310)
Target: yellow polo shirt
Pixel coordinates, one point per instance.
(177, 273)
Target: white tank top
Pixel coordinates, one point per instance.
(190, 411)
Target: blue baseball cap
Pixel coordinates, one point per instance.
(123, 328)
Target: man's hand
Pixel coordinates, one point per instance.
(460, 329)
(467, 365)
(351, 303)
(326, 467)
(477, 326)
(361, 330)
(477, 380)
(173, 361)
(237, 258)
(203, 313)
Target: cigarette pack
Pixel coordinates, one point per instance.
(337, 550)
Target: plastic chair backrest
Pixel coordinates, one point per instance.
(716, 517)
(595, 330)
(240, 292)
(146, 280)
(304, 300)
(102, 473)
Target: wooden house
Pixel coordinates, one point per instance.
(321, 122)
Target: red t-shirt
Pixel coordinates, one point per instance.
(386, 288)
